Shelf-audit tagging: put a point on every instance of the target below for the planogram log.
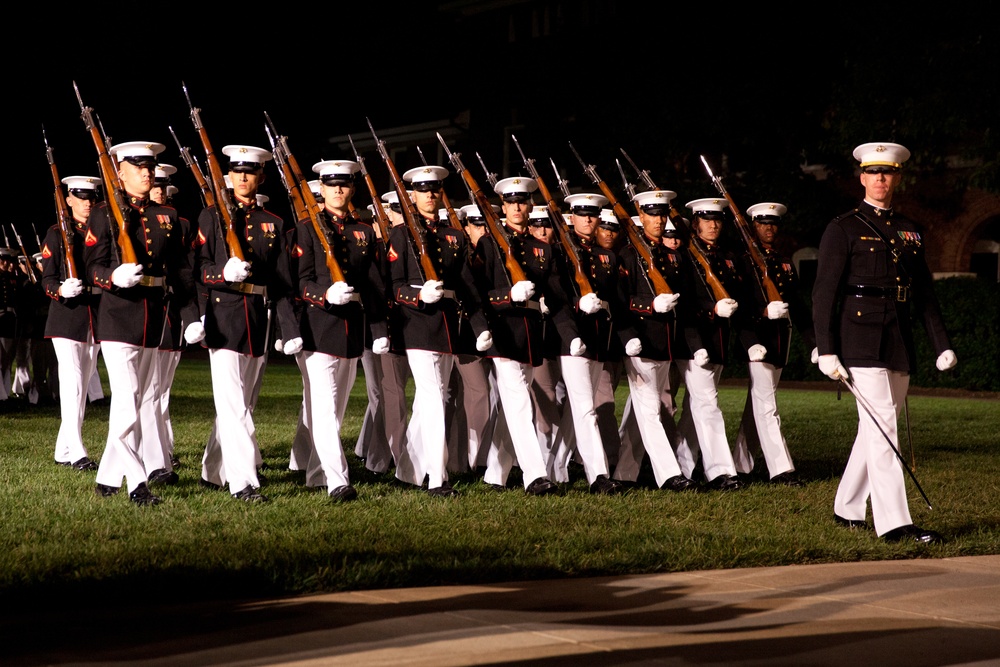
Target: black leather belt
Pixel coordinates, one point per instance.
(899, 293)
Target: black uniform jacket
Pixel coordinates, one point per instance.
(340, 330)
(600, 266)
(68, 318)
(517, 326)
(135, 315)
(433, 326)
(656, 331)
(775, 335)
(236, 314)
(183, 309)
(701, 327)
(869, 286)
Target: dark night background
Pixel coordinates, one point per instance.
(759, 93)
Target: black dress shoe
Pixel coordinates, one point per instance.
(543, 486)
(787, 479)
(343, 494)
(163, 476)
(679, 483)
(605, 486)
(497, 488)
(911, 533)
(725, 483)
(443, 491)
(84, 464)
(850, 523)
(142, 496)
(209, 485)
(251, 495)
(174, 461)
(106, 491)
(63, 463)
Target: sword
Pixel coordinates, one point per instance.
(865, 405)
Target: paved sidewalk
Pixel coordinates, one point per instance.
(909, 613)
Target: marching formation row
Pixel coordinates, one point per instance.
(512, 319)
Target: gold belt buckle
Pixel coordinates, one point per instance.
(902, 293)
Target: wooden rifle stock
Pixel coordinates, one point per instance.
(660, 285)
(558, 224)
(514, 270)
(302, 198)
(378, 213)
(112, 186)
(207, 197)
(749, 239)
(223, 201)
(63, 215)
(416, 229)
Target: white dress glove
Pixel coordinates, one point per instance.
(432, 291)
(127, 275)
(726, 307)
(542, 307)
(194, 333)
(380, 345)
(590, 303)
(71, 287)
(830, 366)
(279, 345)
(485, 341)
(633, 347)
(339, 293)
(814, 356)
(236, 270)
(777, 310)
(293, 346)
(664, 303)
(756, 352)
(522, 290)
(701, 357)
(946, 360)
(577, 348)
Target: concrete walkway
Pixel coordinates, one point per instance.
(909, 613)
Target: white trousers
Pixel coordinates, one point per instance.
(647, 380)
(231, 455)
(373, 441)
(549, 396)
(130, 373)
(425, 453)
(95, 391)
(169, 359)
(520, 447)
(77, 361)
(581, 376)
(302, 445)
(472, 425)
(761, 424)
(701, 427)
(330, 380)
(873, 468)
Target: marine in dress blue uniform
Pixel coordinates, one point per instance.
(239, 295)
(872, 282)
(71, 320)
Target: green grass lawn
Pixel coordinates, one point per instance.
(58, 540)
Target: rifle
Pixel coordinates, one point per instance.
(63, 215)
(710, 280)
(514, 270)
(638, 240)
(301, 196)
(381, 217)
(207, 197)
(124, 251)
(29, 265)
(452, 216)
(557, 220)
(416, 229)
(749, 238)
(223, 200)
